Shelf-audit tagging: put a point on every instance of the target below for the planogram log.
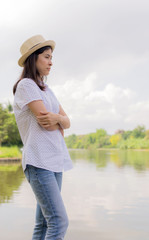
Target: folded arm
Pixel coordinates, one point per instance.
(48, 120)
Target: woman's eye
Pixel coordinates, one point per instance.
(48, 57)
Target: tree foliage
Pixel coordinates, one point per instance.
(136, 138)
(131, 139)
(115, 139)
(139, 132)
(9, 134)
(95, 140)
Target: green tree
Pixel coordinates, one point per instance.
(147, 134)
(115, 139)
(9, 107)
(71, 140)
(100, 133)
(126, 134)
(139, 132)
(9, 134)
(3, 117)
(101, 138)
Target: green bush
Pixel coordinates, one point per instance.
(10, 152)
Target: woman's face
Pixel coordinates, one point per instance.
(44, 62)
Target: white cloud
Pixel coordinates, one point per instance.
(138, 112)
(111, 108)
(100, 63)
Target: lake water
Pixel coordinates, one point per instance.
(106, 196)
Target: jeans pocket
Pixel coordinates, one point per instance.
(26, 172)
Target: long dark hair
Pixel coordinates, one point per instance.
(30, 70)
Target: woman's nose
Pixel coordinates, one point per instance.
(50, 62)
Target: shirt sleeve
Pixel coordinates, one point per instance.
(27, 91)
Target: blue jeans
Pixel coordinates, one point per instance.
(51, 217)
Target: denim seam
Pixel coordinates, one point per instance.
(53, 212)
(45, 196)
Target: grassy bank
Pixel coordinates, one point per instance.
(10, 152)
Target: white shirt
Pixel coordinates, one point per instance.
(42, 148)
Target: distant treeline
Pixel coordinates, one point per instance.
(138, 138)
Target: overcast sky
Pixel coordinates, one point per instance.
(100, 70)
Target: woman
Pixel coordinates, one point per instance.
(41, 121)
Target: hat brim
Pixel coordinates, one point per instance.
(26, 55)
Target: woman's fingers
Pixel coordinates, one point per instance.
(47, 119)
(42, 121)
(42, 117)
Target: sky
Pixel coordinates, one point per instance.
(100, 70)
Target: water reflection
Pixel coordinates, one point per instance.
(11, 177)
(106, 195)
(100, 158)
(110, 194)
(139, 160)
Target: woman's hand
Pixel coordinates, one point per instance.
(47, 119)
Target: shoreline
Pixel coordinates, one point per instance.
(9, 159)
(102, 149)
(17, 159)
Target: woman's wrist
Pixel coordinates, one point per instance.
(63, 121)
(59, 120)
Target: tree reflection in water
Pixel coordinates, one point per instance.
(11, 177)
(137, 159)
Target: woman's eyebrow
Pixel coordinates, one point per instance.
(48, 55)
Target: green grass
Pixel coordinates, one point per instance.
(10, 152)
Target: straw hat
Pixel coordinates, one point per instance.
(31, 45)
